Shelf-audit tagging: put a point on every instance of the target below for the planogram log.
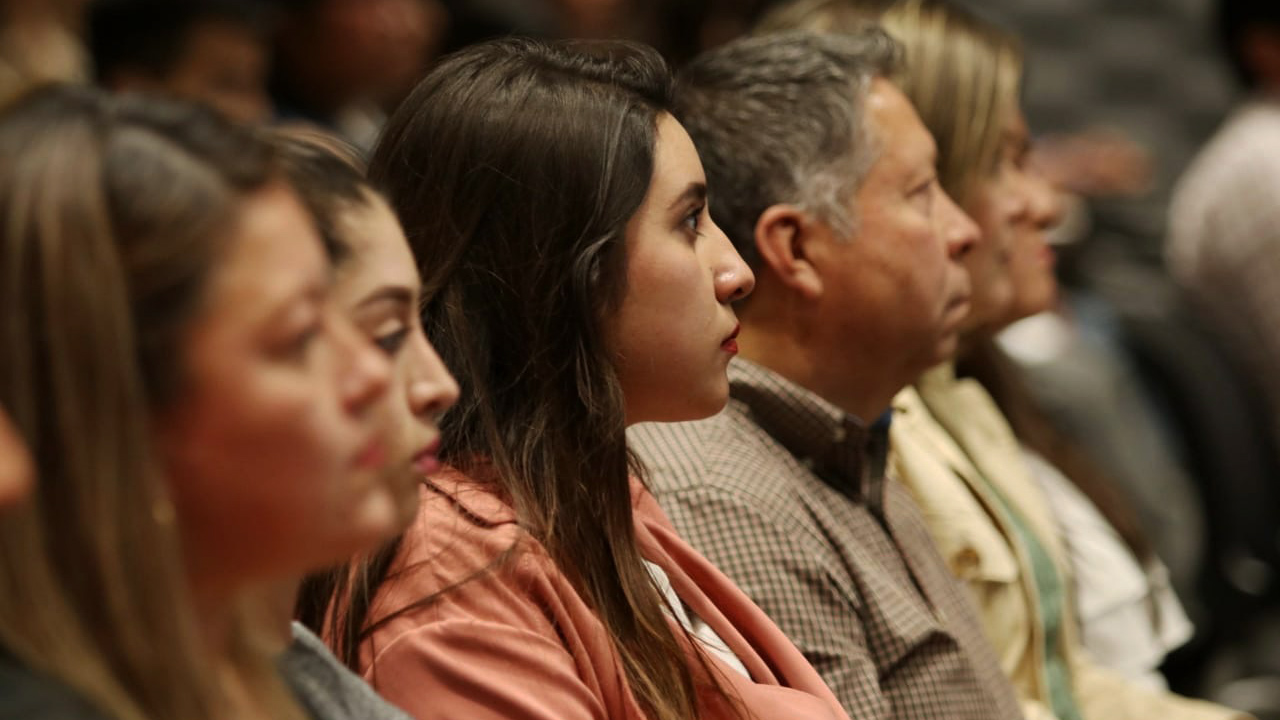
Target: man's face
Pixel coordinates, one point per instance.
(896, 292)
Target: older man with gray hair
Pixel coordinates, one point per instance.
(824, 178)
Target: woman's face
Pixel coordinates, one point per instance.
(1035, 288)
(271, 446)
(378, 288)
(15, 464)
(675, 332)
(1013, 208)
(994, 208)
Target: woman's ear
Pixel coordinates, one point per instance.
(783, 235)
(15, 464)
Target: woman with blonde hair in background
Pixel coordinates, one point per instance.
(202, 419)
(952, 446)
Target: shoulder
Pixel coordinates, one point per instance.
(466, 562)
(1243, 157)
(727, 455)
(325, 687)
(26, 694)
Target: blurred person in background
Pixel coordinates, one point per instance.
(212, 52)
(953, 449)
(344, 64)
(201, 416)
(1224, 219)
(40, 43)
(376, 286)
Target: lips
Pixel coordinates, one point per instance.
(730, 344)
(426, 462)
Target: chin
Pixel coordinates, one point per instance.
(945, 350)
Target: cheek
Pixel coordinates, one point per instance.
(401, 429)
(667, 339)
(264, 459)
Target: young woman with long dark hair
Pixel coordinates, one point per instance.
(574, 284)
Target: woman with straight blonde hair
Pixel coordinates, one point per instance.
(199, 415)
(953, 447)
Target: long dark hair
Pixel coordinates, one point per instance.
(515, 167)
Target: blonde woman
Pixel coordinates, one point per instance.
(951, 444)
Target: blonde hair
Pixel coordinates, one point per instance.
(962, 73)
(113, 213)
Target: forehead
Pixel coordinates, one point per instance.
(906, 146)
(379, 251)
(675, 160)
(273, 253)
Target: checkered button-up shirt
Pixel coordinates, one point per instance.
(786, 494)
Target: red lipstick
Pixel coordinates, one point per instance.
(426, 462)
(730, 344)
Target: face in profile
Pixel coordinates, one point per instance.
(1030, 268)
(378, 288)
(271, 446)
(994, 209)
(897, 288)
(1012, 267)
(15, 464)
(675, 331)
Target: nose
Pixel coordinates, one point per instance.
(959, 232)
(364, 372)
(432, 390)
(1044, 203)
(733, 277)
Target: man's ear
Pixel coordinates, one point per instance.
(783, 234)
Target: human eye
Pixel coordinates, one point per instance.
(297, 333)
(391, 342)
(306, 339)
(693, 221)
(922, 194)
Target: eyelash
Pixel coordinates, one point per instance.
(392, 342)
(303, 342)
(694, 218)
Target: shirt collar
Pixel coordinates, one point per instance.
(837, 446)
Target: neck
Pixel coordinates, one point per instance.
(264, 611)
(786, 344)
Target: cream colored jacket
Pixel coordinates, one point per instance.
(938, 426)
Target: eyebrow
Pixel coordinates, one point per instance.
(696, 191)
(392, 293)
(286, 305)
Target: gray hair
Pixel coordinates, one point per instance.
(780, 119)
